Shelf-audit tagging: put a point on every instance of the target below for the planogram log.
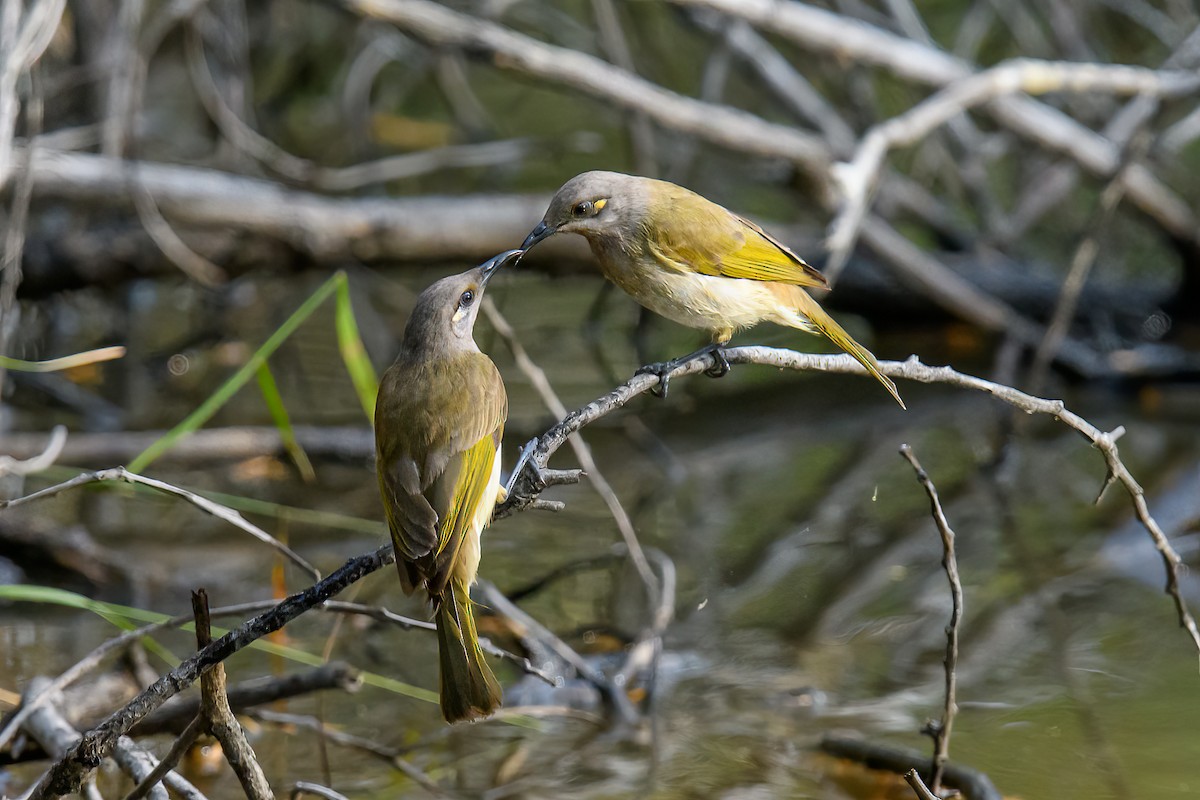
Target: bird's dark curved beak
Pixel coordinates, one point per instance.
(494, 263)
(537, 234)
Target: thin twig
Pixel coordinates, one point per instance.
(615, 695)
(550, 398)
(721, 125)
(971, 782)
(616, 47)
(179, 747)
(67, 774)
(301, 788)
(923, 792)
(857, 179)
(93, 659)
(525, 488)
(252, 693)
(941, 733)
(390, 755)
(854, 41)
(408, 623)
(42, 461)
(222, 724)
(1082, 262)
(120, 474)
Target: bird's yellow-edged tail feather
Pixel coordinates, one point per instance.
(468, 688)
(828, 326)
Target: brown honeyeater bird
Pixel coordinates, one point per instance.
(694, 262)
(439, 418)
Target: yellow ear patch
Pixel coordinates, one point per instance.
(459, 314)
(601, 203)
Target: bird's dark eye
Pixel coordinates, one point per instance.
(467, 298)
(582, 209)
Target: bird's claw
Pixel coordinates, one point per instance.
(661, 370)
(524, 460)
(720, 367)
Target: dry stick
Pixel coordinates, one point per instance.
(331, 179)
(390, 755)
(971, 782)
(22, 42)
(780, 77)
(384, 615)
(615, 695)
(66, 775)
(525, 487)
(924, 273)
(203, 503)
(18, 218)
(857, 179)
(179, 747)
(941, 733)
(582, 452)
(39, 462)
(57, 736)
(301, 788)
(1082, 262)
(722, 125)
(794, 90)
(325, 227)
(923, 792)
(858, 42)
(94, 658)
(176, 250)
(616, 47)
(222, 724)
(254, 692)
(744, 132)
(207, 444)
(1047, 191)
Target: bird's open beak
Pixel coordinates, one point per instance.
(494, 263)
(537, 234)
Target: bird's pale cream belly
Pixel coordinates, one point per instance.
(470, 554)
(703, 301)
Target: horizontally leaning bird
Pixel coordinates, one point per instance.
(693, 261)
(439, 419)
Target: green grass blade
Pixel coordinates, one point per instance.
(283, 422)
(239, 379)
(354, 354)
(121, 616)
(251, 505)
(66, 362)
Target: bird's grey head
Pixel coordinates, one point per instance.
(594, 204)
(444, 317)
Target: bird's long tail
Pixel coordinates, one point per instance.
(468, 688)
(828, 326)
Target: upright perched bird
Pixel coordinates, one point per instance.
(693, 261)
(439, 418)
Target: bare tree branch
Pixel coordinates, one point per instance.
(722, 125)
(941, 733)
(858, 178)
(120, 474)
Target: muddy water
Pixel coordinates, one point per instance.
(810, 595)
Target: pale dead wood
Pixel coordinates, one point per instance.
(722, 125)
(857, 178)
(941, 733)
(218, 716)
(122, 475)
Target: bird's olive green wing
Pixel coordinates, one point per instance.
(430, 431)
(464, 486)
(692, 234)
